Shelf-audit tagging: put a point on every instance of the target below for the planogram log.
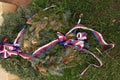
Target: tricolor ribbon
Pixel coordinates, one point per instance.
(7, 49)
(98, 36)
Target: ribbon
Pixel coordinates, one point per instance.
(98, 36)
(7, 49)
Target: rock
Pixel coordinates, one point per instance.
(6, 8)
(1, 19)
(4, 75)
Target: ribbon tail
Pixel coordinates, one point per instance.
(25, 55)
(39, 50)
(95, 65)
(45, 47)
(20, 34)
(105, 45)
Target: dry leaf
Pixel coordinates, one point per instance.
(68, 59)
(51, 59)
(42, 70)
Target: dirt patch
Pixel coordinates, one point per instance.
(4, 75)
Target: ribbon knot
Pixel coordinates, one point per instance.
(61, 37)
(79, 44)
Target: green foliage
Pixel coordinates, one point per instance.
(102, 15)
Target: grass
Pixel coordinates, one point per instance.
(101, 15)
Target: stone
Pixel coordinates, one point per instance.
(6, 8)
(4, 75)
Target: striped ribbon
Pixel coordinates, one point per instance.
(7, 49)
(98, 36)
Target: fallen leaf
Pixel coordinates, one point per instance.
(51, 59)
(42, 70)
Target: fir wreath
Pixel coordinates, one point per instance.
(6, 49)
